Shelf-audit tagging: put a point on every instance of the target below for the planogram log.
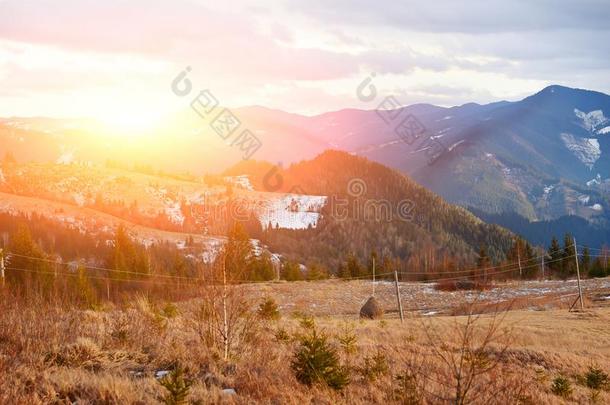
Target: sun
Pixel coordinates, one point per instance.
(129, 118)
(132, 123)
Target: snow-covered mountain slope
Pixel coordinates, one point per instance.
(291, 211)
(587, 150)
(593, 121)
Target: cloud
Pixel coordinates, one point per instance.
(443, 51)
(475, 16)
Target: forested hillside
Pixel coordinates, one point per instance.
(374, 208)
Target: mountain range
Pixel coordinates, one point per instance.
(539, 163)
(541, 160)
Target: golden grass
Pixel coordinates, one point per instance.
(65, 355)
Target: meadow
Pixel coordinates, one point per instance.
(147, 350)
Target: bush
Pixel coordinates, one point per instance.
(561, 387)
(375, 366)
(170, 310)
(268, 310)
(281, 335)
(407, 391)
(177, 387)
(596, 379)
(315, 361)
(348, 340)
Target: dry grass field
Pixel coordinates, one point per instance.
(344, 298)
(120, 354)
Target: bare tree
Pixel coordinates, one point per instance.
(469, 354)
(224, 320)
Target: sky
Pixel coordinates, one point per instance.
(116, 59)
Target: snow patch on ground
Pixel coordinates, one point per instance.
(242, 181)
(291, 211)
(66, 158)
(546, 192)
(597, 180)
(591, 120)
(584, 199)
(79, 199)
(383, 145)
(212, 247)
(603, 131)
(444, 130)
(455, 145)
(174, 213)
(587, 150)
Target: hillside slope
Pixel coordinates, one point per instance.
(373, 207)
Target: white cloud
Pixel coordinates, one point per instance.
(295, 57)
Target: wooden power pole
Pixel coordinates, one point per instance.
(2, 267)
(373, 276)
(398, 296)
(582, 306)
(519, 259)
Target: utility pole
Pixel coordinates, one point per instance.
(2, 267)
(519, 259)
(582, 306)
(542, 266)
(373, 276)
(225, 335)
(398, 296)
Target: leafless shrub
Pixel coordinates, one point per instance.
(224, 321)
(468, 358)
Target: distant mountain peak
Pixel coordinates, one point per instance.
(554, 87)
(557, 89)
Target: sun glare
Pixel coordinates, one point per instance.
(131, 122)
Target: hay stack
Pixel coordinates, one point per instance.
(371, 309)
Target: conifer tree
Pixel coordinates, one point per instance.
(586, 260)
(238, 252)
(567, 268)
(483, 259)
(556, 255)
(29, 258)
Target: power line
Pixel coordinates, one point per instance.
(483, 268)
(92, 277)
(100, 268)
(489, 273)
(155, 275)
(592, 248)
(167, 276)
